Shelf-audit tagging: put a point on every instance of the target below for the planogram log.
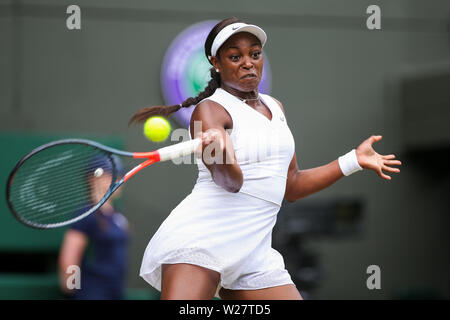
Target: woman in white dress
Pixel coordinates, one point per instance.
(217, 241)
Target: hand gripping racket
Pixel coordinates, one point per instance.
(64, 181)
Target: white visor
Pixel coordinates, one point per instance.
(231, 29)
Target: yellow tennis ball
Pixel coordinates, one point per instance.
(157, 129)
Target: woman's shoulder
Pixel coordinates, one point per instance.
(276, 100)
(215, 96)
(212, 112)
(208, 107)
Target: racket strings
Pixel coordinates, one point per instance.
(58, 184)
(30, 168)
(61, 179)
(41, 208)
(46, 208)
(69, 205)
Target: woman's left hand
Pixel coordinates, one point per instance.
(368, 158)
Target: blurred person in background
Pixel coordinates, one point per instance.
(97, 244)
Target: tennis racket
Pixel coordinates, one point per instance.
(64, 181)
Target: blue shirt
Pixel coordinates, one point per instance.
(103, 269)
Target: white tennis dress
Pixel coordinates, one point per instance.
(227, 232)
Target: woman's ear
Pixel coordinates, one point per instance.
(215, 63)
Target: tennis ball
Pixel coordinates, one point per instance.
(157, 129)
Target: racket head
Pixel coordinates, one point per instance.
(59, 183)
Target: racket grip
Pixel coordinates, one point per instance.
(178, 150)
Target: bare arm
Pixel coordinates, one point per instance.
(302, 183)
(71, 253)
(217, 148)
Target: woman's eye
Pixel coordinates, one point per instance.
(256, 55)
(234, 58)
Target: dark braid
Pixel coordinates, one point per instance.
(143, 114)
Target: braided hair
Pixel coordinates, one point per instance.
(143, 114)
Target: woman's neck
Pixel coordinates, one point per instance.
(243, 95)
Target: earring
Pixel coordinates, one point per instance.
(217, 70)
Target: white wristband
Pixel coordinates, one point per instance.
(349, 163)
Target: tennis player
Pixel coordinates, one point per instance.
(218, 239)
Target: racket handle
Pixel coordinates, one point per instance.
(178, 150)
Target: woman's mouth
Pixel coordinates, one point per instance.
(250, 75)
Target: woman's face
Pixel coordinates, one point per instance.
(240, 62)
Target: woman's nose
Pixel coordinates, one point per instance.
(247, 64)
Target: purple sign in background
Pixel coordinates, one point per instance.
(185, 70)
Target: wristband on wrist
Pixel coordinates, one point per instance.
(349, 163)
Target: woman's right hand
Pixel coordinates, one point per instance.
(213, 147)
